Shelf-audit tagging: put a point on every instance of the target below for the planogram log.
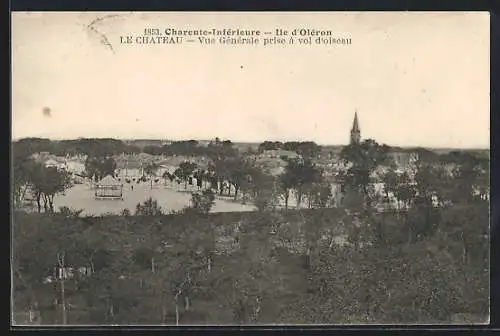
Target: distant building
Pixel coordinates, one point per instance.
(163, 168)
(130, 173)
(75, 167)
(129, 167)
(52, 163)
(336, 193)
(280, 154)
(355, 130)
(204, 143)
(404, 159)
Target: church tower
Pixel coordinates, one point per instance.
(355, 131)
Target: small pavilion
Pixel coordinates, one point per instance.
(109, 188)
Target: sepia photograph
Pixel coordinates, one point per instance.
(250, 168)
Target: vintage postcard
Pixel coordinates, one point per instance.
(245, 168)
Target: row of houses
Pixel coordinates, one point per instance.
(132, 166)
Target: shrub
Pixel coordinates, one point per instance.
(203, 202)
(68, 212)
(125, 212)
(150, 207)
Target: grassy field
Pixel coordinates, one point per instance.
(81, 196)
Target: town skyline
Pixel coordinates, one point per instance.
(355, 128)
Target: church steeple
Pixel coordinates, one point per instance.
(355, 131)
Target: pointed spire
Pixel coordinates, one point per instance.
(355, 131)
(355, 124)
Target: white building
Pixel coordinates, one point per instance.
(130, 173)
(129, 168)
(52, 163)
(165, 168)
(75, 167)
(280, 153)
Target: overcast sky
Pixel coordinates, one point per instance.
(416, 79)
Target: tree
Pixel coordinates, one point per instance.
(54, 181)
(261, 188)
(390, 181)
(426, 156)
(125, 212)
(21, 170)
(184, 171)
(151, 170)
(306, 175)
(405, 190)
(220, 150)
(173, 269)
(299, 175)
(199, 175)
(363, 159)
(203, 202)
(90, 147)
(182, 148)
(70, 213)
(40, 250)
(35, 180)
(231, 170)
(220, 174)
(28, 146)
(433, 183)
(167, 175)
(421, 221)
(152, 150)
(287, 181)
(354, 200)
(99, 166)
(227, 143)
(269, 145)
(150, 207)
(46, 182)
(465, 227)
(469, 176)
(238, 172)
(291, 146)
(308, 149)
(318, 194)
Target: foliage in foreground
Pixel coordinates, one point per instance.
(260, 267)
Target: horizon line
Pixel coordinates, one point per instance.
(243, 141)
